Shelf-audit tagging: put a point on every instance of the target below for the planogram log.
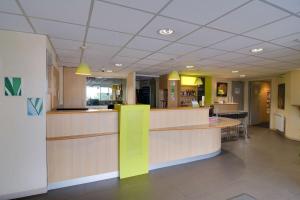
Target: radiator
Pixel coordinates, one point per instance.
(279, 122)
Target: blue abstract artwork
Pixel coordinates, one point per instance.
(34, 106)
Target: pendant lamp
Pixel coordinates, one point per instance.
(174, 76)
(83, 69)
(198, 81)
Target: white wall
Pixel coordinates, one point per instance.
(291, 113)
(22, 138)
(214, 90)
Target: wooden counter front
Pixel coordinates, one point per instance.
(81, 145)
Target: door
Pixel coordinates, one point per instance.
(259, 102)
(238, 93)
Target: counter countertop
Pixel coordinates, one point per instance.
(112, 110)
(79, 111)
(225, 103)
(214, 122)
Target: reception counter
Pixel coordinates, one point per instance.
(82, 146)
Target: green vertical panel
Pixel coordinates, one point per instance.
(208, 90)
(133, 140)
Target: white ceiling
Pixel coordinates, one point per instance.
(215, 36)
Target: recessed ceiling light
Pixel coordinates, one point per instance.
(257, 50)
(190, 66)
(235, 71)
(109, 71)
(242, 75)
(118, 65)
(165, 31)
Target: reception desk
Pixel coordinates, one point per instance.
(82, 146)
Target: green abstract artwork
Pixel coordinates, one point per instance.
(13, 86)
(34, 106)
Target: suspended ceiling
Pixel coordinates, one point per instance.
(214, 36)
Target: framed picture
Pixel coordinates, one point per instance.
(281, 96)
(222, 89)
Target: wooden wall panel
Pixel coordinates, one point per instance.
(74, 89)
(175, 145)
(69, 159)
(81, 123)
(161, 118)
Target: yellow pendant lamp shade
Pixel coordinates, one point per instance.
(83, 69)
(198, 81)
(174, 76)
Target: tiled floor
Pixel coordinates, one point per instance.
(266, 167)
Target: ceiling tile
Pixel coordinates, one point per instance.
(67, 64)
(73, 11)
(147, 44)
(124, 60)
(149, 62)
(10, 6)
(180, 28)
(118, 18)
(103, 49)
(279, 53)
(277, 29)
(14, 23)
(292, 41)
(107, 37)
(229, 56)
(69, 59)
(205, 37)
(290, 58)
(65, 44)
(207, 53)
(291, 5)
(151, 6)
(249, 17)
(57, 29)
(178, 49)
(161, 57)
(267, 47)
(250, 60)
(68, 53)
(235, 43)
(209, 9)
(134, 53)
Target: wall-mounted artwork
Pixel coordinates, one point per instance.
(13, 86)
(222, 89)
(34, 106)
(281, 96)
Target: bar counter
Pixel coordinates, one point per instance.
(82, 146)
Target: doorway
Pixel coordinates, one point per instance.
(237, 92)
(146, 90)
(260, 103)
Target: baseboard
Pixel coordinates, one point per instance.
(82, 180)
(100, 177)
(185, 160)
(23, 194)
(292, 138)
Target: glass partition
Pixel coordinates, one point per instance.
(104, 91)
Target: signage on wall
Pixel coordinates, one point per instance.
(13, 86)
(34, 106)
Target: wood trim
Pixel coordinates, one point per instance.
(72, 137)
(221, 123)
(177, 108)
(54, 112)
